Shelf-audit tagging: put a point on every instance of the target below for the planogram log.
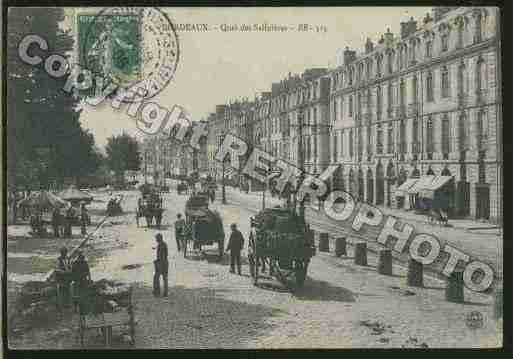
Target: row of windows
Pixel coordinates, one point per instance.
(445, 136)
(445, 84)
(407, 54)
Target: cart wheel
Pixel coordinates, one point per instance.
(300, 272)
(221, 249)
(251, 262)
(255, 277)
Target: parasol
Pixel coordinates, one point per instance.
(44, 200)
(73, 194)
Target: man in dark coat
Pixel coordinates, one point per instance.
(84, 219)
(161, 266)
(63, 277)
(70, 214)
(235, 245)
(56, 221)
(179, 231)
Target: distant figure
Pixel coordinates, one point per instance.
(212, 194)
(179, 231)
(63, 278)
(81, 273)
(158, 214)
(56, 221)
(70, 214)
(161, 266)
(235, 245)
(84, 219)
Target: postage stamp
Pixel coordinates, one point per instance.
(134, 48)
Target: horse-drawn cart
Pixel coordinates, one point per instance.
(280, 240)
(203, 226)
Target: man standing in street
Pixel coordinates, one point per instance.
(84, 219)
(235, 245)
(56, 220)
(63, 278)
(179, 231)
(161, 266)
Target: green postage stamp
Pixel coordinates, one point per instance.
(109, 46)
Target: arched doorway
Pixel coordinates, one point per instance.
(380, 185)
(451, 191)
(370, 187)
(390, 180)
(361, 183)
(430, 172)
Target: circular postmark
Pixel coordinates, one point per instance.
(474, 320)
(137, 49)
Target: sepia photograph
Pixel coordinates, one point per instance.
(252, 177)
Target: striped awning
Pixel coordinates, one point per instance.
(424, 182)
(402, 190)
(437, 183)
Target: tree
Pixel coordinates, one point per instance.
(122, 154)
(45, 141)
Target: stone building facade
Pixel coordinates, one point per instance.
(426, 102)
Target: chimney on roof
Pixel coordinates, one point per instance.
(408, 27)
(369, 46)
(389, 37)
(440, 11)
(349, 56)
(427, 19)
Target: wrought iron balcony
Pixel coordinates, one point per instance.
(367, 118)
(379, 148)
(462, 100)
(400, 111)
(415, 147)
(413, 109)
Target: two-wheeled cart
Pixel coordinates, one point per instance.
(282, 242)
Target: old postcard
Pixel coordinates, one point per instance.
(286, 177)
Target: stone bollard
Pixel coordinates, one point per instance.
(360, 253)
(415, 276)
(497, 309)
(385, 262)
(454, 288)
(341, 246)
(324, 242)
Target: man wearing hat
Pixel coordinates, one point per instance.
(161, 266)
(63, 277)
(235, 245)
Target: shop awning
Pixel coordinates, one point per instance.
(423, 183)
(403, 189)
(437, 183)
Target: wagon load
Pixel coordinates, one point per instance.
(208, 225)
(280, 239)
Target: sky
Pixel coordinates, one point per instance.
(216, 67)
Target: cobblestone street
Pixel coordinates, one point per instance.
(341, 305)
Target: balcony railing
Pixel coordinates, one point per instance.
(480, 97)
(413, 109)
(462, 100)
(400, 111)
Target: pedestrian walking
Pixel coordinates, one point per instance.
(179, 231)
(161, 266)
(56, 222)
(63, 278)
(81, 275)
(84, 219)
(235, 245)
